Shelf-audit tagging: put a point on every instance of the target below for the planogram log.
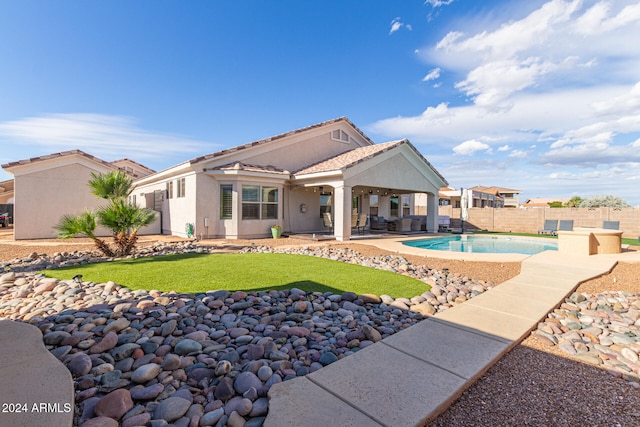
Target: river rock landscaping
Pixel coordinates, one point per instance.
(140, 357)
(153, 358)
(602, 330)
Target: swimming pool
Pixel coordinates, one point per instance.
(485, 244)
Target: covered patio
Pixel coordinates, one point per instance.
(378, 181)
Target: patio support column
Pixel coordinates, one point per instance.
(342, 219)
(432, 213)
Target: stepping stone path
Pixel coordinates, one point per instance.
(207, 359)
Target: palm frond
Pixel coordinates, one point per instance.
(111, 185)
(71, 225)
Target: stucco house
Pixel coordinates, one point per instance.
(510, 197)
(476, 198)
(6, 192)
(47, 187)
(331, 170)
(291, 180)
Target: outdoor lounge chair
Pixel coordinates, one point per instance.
(444, 223)
(550, 226)
(611, 225)
(565, 225)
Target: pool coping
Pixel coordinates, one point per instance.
(396, 245)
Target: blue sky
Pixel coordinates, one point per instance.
(541, 96)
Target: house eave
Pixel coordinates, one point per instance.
(244, 173)
(318, 175)
(180, 169)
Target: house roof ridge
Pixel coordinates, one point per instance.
(278, 137)
(60, 154)
(348, 158)
(357, 155)
(126, 159)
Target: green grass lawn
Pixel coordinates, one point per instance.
(193, 273)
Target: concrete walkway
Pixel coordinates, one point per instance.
(36, 388)
(414, 375)
(403, 380)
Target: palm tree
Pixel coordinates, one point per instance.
(119, 215)
(83, 223)
(112, 185)
(574, 202)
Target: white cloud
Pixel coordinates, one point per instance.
(397, 24)
(518, 154)
(471, 147)
(108, 137)
(438, 3)
(432, 75)
(492, 84)
(559, 38)
(553, 87)
(596, 20)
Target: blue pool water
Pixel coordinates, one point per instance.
(485, 244)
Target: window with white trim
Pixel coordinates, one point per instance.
(339, 135)
(373, 204)
(406, 207)
(182, 187)
(170, 190)
(259, 202)
(226, 201)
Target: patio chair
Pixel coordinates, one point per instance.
(550, 226)
(362, 223)
(327, 221)
(403, 224)
(444, 223)
(565, 225)
(378, 223)
(611, 225)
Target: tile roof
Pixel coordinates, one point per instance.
(493, 189)
(358, 155)
(7, 185)
(250, 168)
(543, 201)
(347, 159)
(55, 156)
(277, 137)
(126, 159)
(65, 154)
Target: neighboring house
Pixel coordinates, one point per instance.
(510, 197)
(478, 199)
(6, 192)
(48, 187)
(291, 180)
(540, 202)
(6, 199)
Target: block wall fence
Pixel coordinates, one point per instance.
(531, 220)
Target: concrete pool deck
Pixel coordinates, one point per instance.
(396, 245)
(411, 377)
(402, 380)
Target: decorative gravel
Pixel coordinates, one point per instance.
(537, 384)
